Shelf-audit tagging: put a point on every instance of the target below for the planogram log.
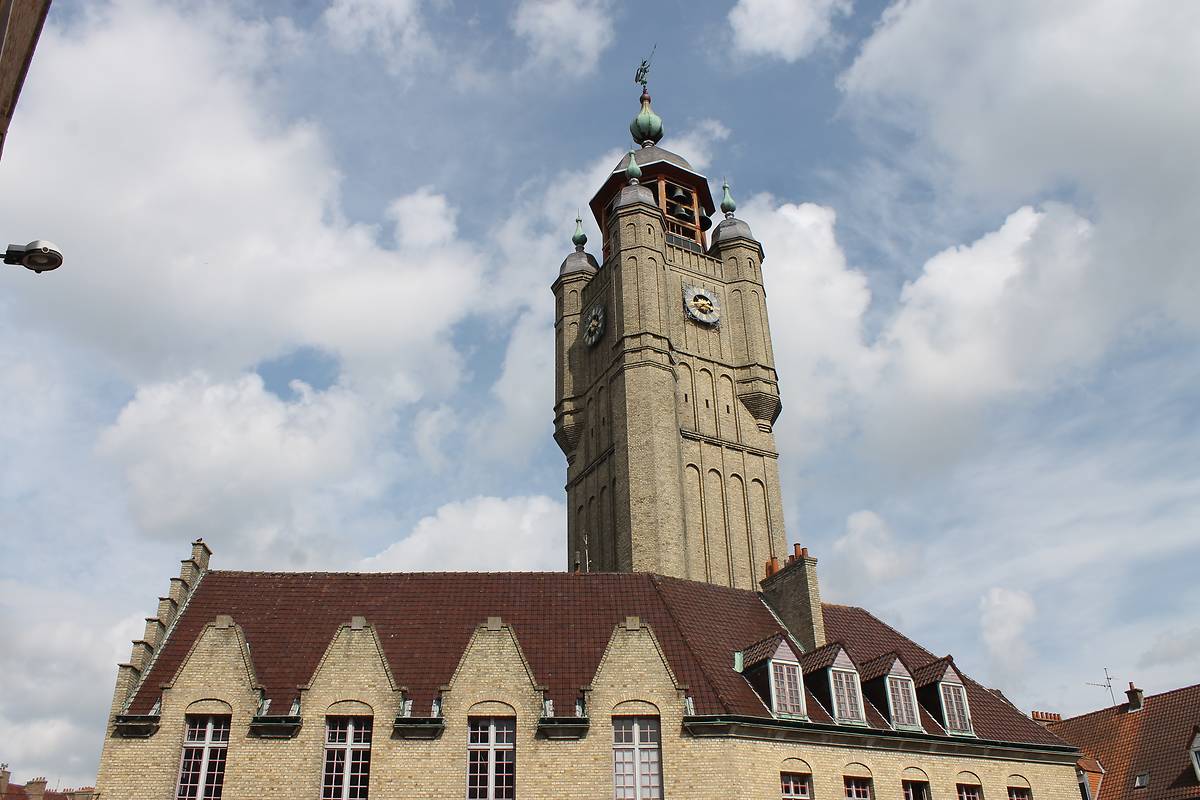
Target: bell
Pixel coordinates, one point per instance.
(682, 213)
(705, 223)
(679, 195)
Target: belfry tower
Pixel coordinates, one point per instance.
(665, 384)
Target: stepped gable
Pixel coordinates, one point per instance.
(563, 622)
(1154, 739)
(865, 638)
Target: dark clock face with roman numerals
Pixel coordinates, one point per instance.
(593, 325)
(701, 305)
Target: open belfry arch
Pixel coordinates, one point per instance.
(666, 390)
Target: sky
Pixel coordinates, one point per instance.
(305, 310)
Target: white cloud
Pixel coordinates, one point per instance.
(394, 29)
(567, 36)
(786, 29)
(867, 554)
(1004, 616)
(483, 533)
(250, 471)
(1173, 646)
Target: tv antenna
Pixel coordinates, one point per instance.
(1106, 685)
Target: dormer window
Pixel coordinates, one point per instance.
(1196, 753)
(902, 700)
(785, 687)
(954, 708)
(847, 704)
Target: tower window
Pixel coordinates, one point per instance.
(347, 758)
(491, 759)
(202, 767)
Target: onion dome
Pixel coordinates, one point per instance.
(646, 128)
(632, 170)
(731, 227)
(580, 238)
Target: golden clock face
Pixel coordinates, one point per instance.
(701, 305)
(593, 325)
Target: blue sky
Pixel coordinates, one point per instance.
(305, 312)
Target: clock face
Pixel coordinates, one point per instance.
(701, 305)
(593, 325)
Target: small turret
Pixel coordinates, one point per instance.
(579, 261)
(731, 227)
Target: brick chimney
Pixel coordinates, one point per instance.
(36, 788)
(792, 592)
(1045, 718)
(4, 776)
(1135, 696)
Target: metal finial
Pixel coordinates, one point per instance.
(643, 70)
(633, 171)
(580, 238)
(727, 204)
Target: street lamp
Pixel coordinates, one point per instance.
(39, 256)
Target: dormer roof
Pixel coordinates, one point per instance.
(823, 657)
(774, 646)
(880, 666)
(940, 669)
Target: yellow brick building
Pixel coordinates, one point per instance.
(658, 665)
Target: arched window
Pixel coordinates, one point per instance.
(347, 772)
(637, 762)
(202, 766)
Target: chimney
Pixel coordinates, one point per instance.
(4, 775)
(86, 793)
(36, 788)
(1045, 718)
(1135, 696)
(792, 592)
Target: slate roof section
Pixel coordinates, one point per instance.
(563, 622)
(1155, 739)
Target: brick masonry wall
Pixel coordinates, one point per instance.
(493, 678)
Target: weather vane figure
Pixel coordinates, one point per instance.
(644, 68)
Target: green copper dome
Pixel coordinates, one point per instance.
(580, 238)
(646, 126)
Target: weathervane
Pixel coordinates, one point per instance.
(644, 68)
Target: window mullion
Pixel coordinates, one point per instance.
(348, 755)
(492, 758)
(205, 749)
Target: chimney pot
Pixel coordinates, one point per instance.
(797, 551)
(1136, 697)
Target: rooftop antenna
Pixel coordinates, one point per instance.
(644, 69)
(1106, 685)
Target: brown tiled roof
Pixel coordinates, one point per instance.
(866, 638)
(933, 671)
(763, 649)
(821, 658)
(1155, 740)
(879, 666)
(563, 622)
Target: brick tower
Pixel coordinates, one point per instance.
(666, 391)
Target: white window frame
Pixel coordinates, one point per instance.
(638, 748)
(942, 686)
(958, 790)
(846, 779)
(838, 716)
(1195, 753)
(774, 688)
(492, 747)
(1019, 789)
(805, 780)
(348, 748)
(208, 747)
(912, 699)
